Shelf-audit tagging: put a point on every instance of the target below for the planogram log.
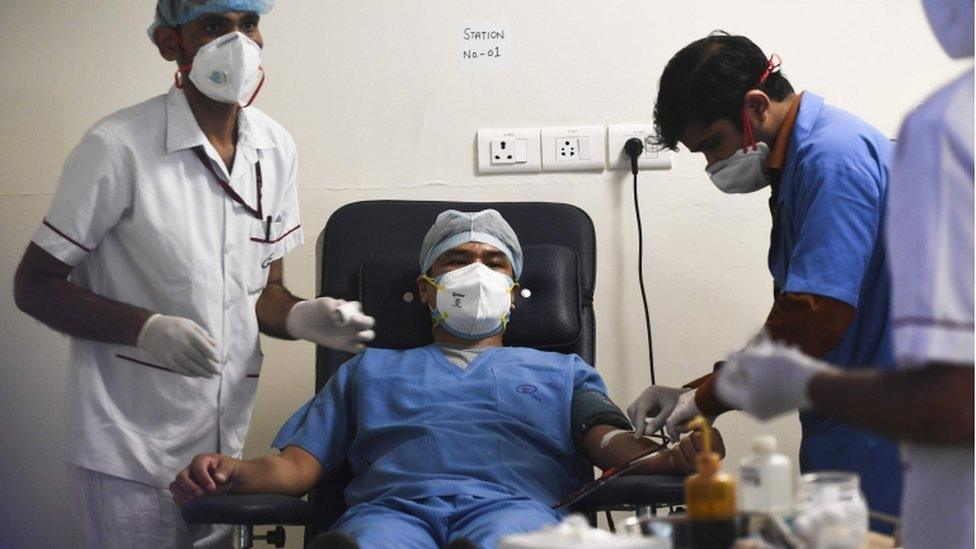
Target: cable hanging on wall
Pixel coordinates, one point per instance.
(634, 147)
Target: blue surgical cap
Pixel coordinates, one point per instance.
(171, 13)
(453, 228)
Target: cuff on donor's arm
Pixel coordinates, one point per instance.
(592, 408)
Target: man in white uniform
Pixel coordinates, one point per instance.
(928, 404)
(161, 257)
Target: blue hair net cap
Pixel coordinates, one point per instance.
(453, 228)
(171, 13)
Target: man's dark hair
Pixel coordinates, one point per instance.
(707, 80)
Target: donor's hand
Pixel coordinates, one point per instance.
(684, 454)
(207, 474)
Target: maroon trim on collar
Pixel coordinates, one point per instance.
(137, 361)
(932, 322)
(266, 241)
(258, 213)
(64, 236)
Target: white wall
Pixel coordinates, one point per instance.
(373, 94)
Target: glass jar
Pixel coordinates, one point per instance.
(831, 512)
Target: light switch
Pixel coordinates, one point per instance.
(521, 150)
(584, 148)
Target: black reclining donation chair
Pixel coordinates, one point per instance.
(368, 251)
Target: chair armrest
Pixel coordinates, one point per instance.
(249, 509)
(640, 490)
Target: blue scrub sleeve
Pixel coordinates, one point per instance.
(325, 425)
(586, 378)
(838, 214)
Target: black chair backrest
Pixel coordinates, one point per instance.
(369, 252)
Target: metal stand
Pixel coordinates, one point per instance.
(244, 536)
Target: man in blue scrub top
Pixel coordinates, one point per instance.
(457, 443)
(828, 172)
(927, 402)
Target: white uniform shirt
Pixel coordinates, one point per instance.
(144, 221)
(930, 243)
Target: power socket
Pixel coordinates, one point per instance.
(509, 151)
(567, 149)
(651, 158)
(573, 148)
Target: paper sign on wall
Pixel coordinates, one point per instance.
(484, 45)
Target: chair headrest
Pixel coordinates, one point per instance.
(547, 316)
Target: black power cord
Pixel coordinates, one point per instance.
(634, 147)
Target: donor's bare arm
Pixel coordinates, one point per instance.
(293, 472)
(679, 459)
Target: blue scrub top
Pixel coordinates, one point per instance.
(411, 424)
(826, 241)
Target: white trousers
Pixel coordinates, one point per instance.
(116, 513)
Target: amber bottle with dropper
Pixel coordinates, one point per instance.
(710, 498)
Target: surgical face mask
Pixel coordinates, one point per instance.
(473, 302)
(952, 24)
(742, 172)
(228, 69)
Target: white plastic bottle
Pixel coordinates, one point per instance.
(766, 479)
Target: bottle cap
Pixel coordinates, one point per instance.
(708, 464)
(764, 443)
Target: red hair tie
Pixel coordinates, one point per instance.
(771, 66)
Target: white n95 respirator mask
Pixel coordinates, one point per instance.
(473, 302)
(228, 69)
(743, 172)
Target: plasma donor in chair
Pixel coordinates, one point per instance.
(460, 442)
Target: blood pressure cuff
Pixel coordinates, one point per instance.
(592, 408)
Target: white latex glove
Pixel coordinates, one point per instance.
(684, 411)
(180, 345)
(332, 323)
(767, 379)
(656, 401)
